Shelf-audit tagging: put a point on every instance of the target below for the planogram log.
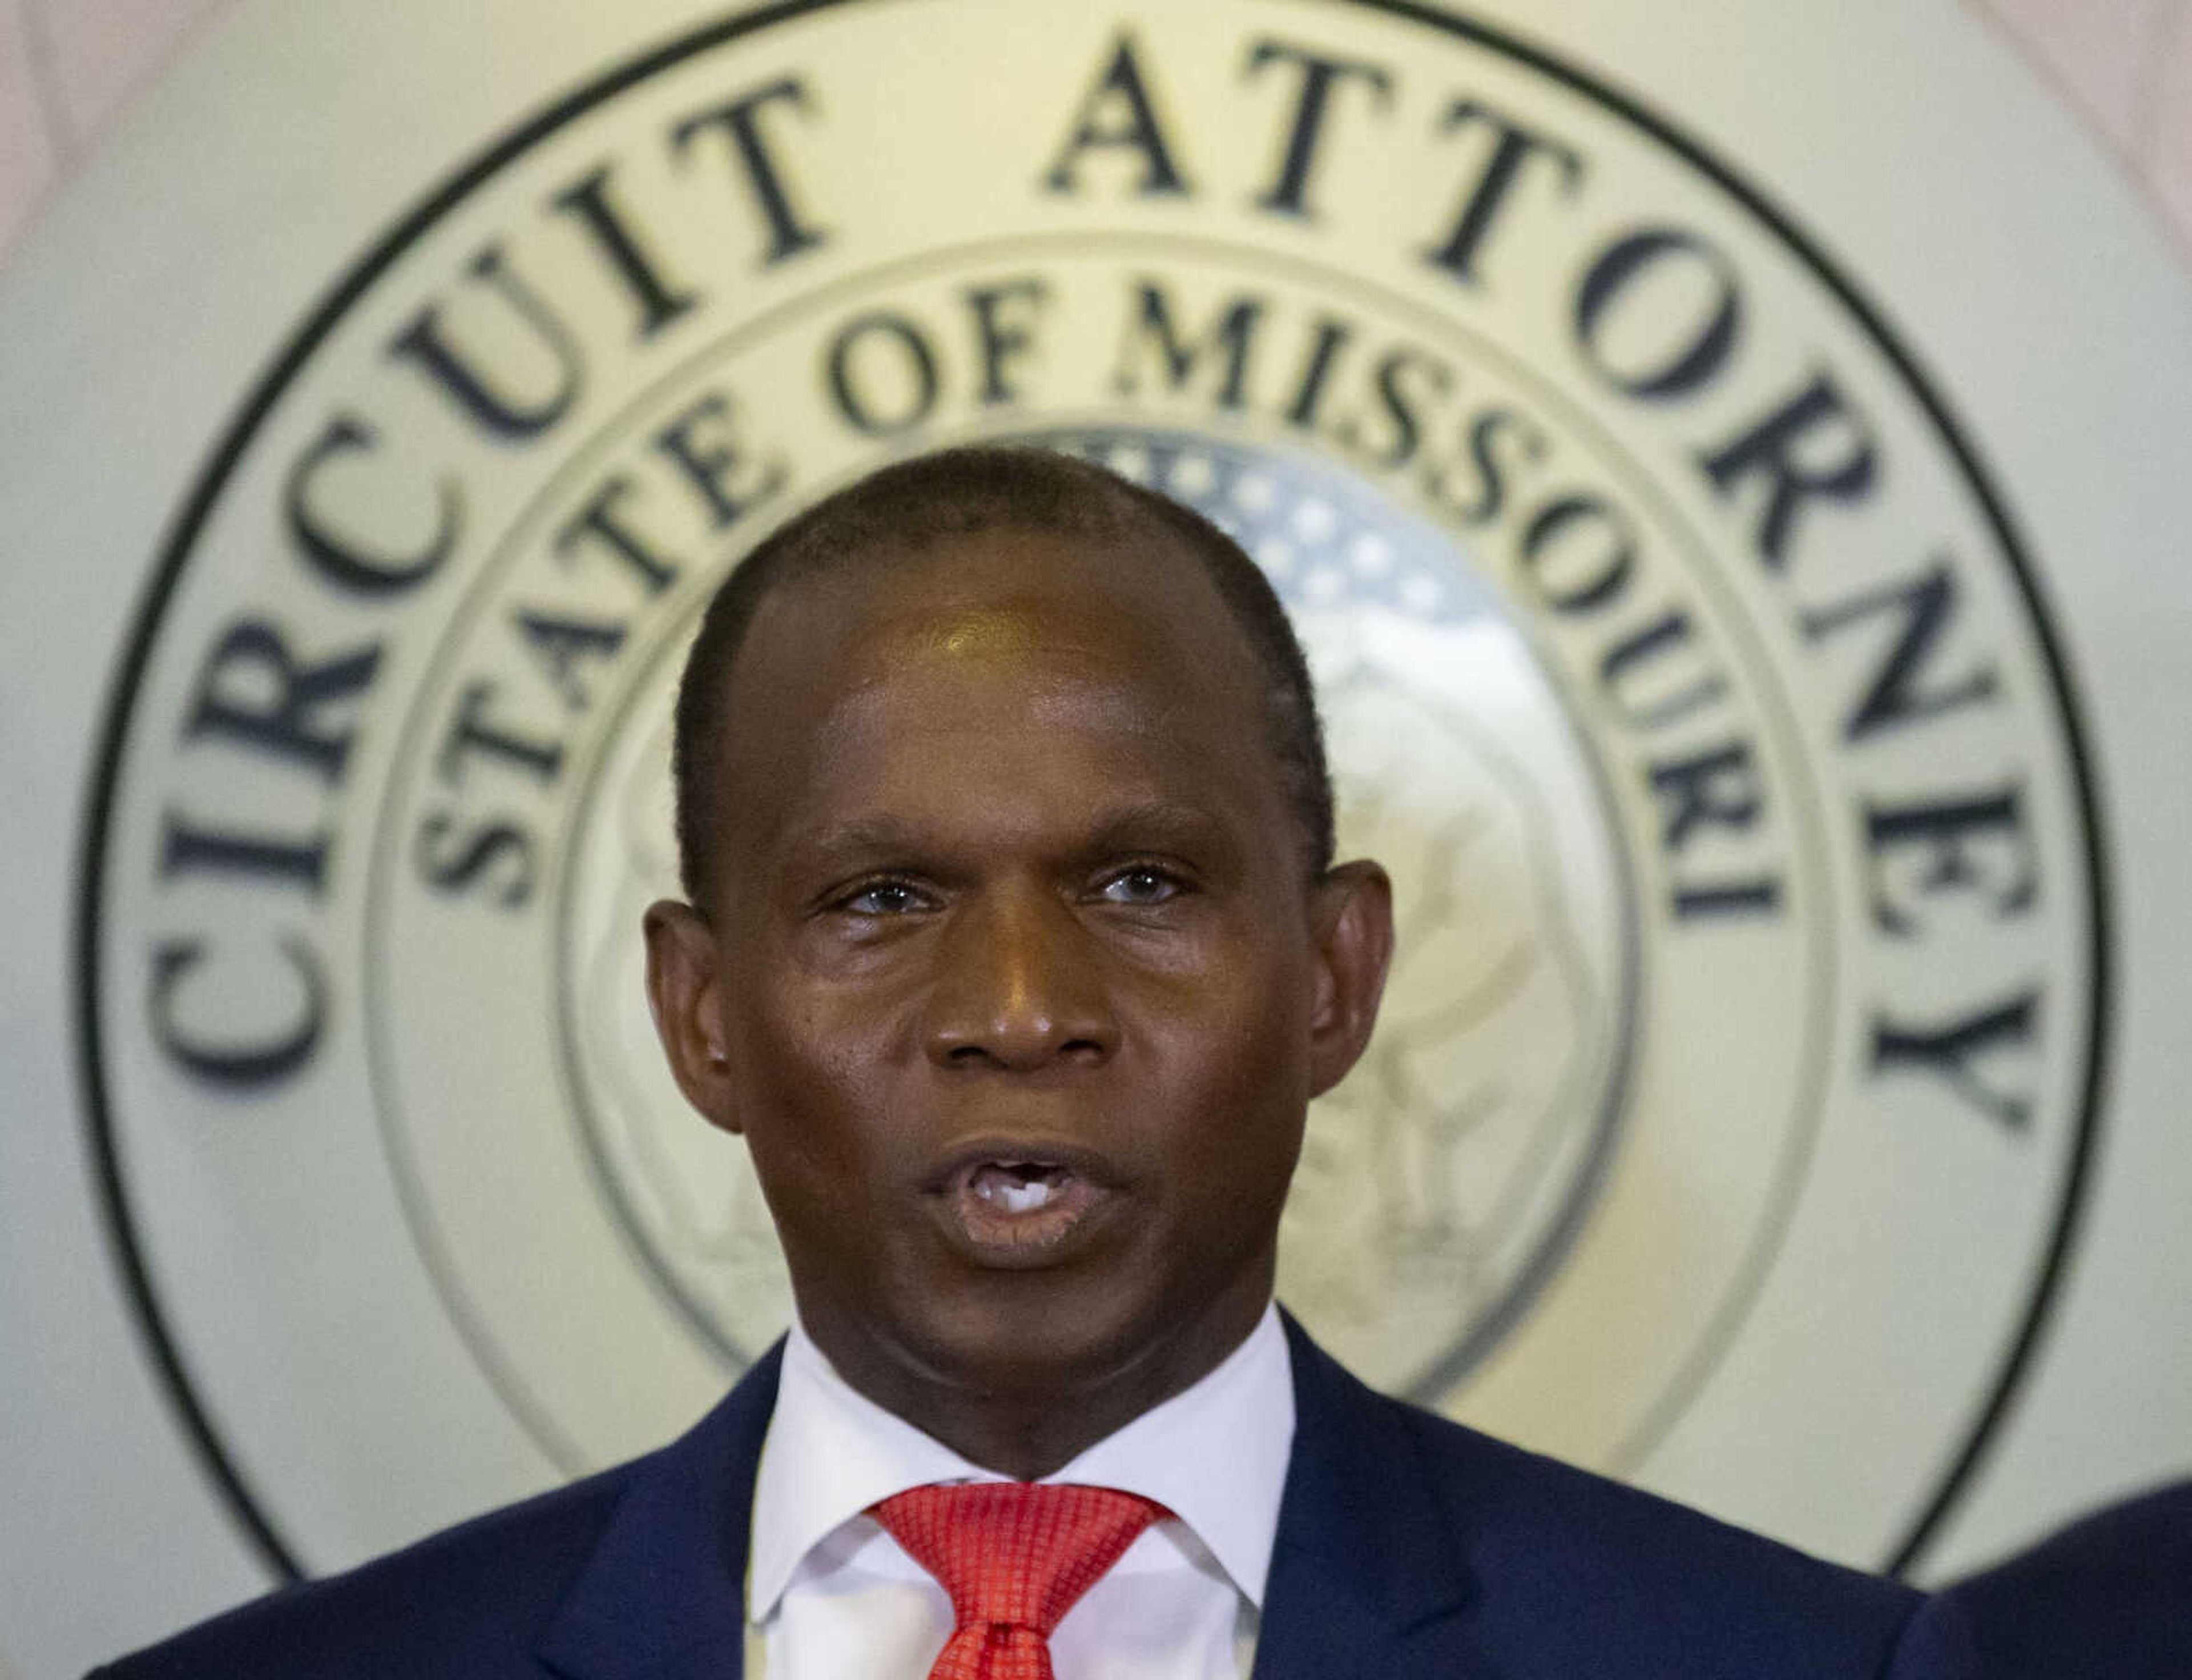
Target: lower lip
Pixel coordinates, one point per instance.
(994, 1235)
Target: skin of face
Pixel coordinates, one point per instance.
(1006, 881)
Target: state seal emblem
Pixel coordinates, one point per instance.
(1680, 658)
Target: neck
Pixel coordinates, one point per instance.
(1024, 1418)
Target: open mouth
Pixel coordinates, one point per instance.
(1015, 1208)
(1018, 1186)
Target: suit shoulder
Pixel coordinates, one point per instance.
(470, 1600)
(1547, 1537)
(2106, 1596)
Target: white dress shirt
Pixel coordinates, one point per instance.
(829, 1593)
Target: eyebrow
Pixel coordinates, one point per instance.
(1134, 825)
(1155, 822)
(877, 834)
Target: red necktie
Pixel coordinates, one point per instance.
(1014, 1556)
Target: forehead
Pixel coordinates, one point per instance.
(1003, 636)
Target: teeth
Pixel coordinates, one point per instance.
(1016, 1191)
(1024, 1198)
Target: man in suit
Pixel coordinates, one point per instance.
(1015, 951)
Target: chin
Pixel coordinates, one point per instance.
(1011, 1333)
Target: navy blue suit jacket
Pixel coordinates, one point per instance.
(1407, 1545)
(2108, 1598)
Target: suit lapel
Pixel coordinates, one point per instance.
(662, 1595)
(1366, 1564)
(1366, 1571)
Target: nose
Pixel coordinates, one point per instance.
(1020, 987)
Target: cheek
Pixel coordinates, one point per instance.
(809, 1082)
(1241, 1064)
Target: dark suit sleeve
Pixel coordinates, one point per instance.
(1936, 1644)
(2107, 1598)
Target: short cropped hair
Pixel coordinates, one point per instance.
(908, 508)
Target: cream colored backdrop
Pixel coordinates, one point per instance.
(1727, 462)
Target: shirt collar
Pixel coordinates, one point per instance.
(1215, 1454)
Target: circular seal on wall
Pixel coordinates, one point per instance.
(1726, 1116)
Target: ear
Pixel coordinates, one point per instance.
(682, 989)
(1351, 913)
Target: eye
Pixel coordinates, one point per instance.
(1143, 883)
(882, 897)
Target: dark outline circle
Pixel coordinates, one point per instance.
(108, 1182)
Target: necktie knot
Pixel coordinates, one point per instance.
(1014, 1557)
